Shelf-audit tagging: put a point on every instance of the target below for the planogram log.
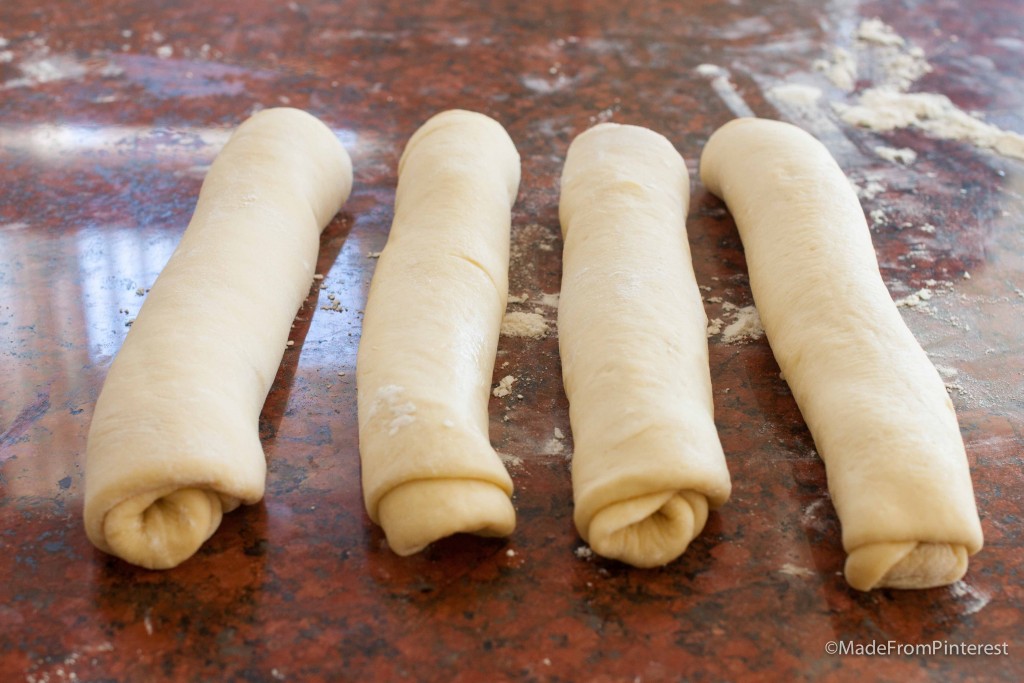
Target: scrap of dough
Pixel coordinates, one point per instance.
(648, 463)
(876, 406)
(430, 334)
(174, 441)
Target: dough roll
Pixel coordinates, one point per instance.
(648, 464)
(430, 334)
(874, 403)
(174, 441)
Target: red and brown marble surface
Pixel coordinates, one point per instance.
(110, 111)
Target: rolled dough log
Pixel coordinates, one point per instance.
(174, 441)
(430, 334)
(877, 409)
(632, 330)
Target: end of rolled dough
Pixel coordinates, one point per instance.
(908, 564)
(161, 530)
(730, 144)
(464, 121)
(419, 512)
(650, 530)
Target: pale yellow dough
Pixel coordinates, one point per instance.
(876, 406)
(648, 463)
(430, 334)
(174, 440)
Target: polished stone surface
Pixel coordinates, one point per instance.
(111, 111)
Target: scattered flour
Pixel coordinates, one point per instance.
(746, 326)
(736, 324)
(511, 461)
(47, 68)
(519, 324)
(973, 599)
(553, 447)
(504, 387)
(882, 109)
(724, 88)
(841, 70)
(888, 106)
(401, 413)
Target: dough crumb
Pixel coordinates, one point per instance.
(709, 70)
(550, 300)
(794, 570)
(373, 254)
(796, 95)
(746, 326)
(504, 387)
(878, 32)
(513, 299)
(584, 552)
(904, 155)
(714, 326)
(870, 190)
(559, 434)
(917, 299)
(518, 324)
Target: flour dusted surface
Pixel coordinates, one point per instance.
(521, 324)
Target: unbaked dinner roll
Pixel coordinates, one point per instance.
(430, 334)
(174, 441)
(632, 331)
(877, 409)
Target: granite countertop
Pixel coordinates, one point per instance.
(110, 113)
